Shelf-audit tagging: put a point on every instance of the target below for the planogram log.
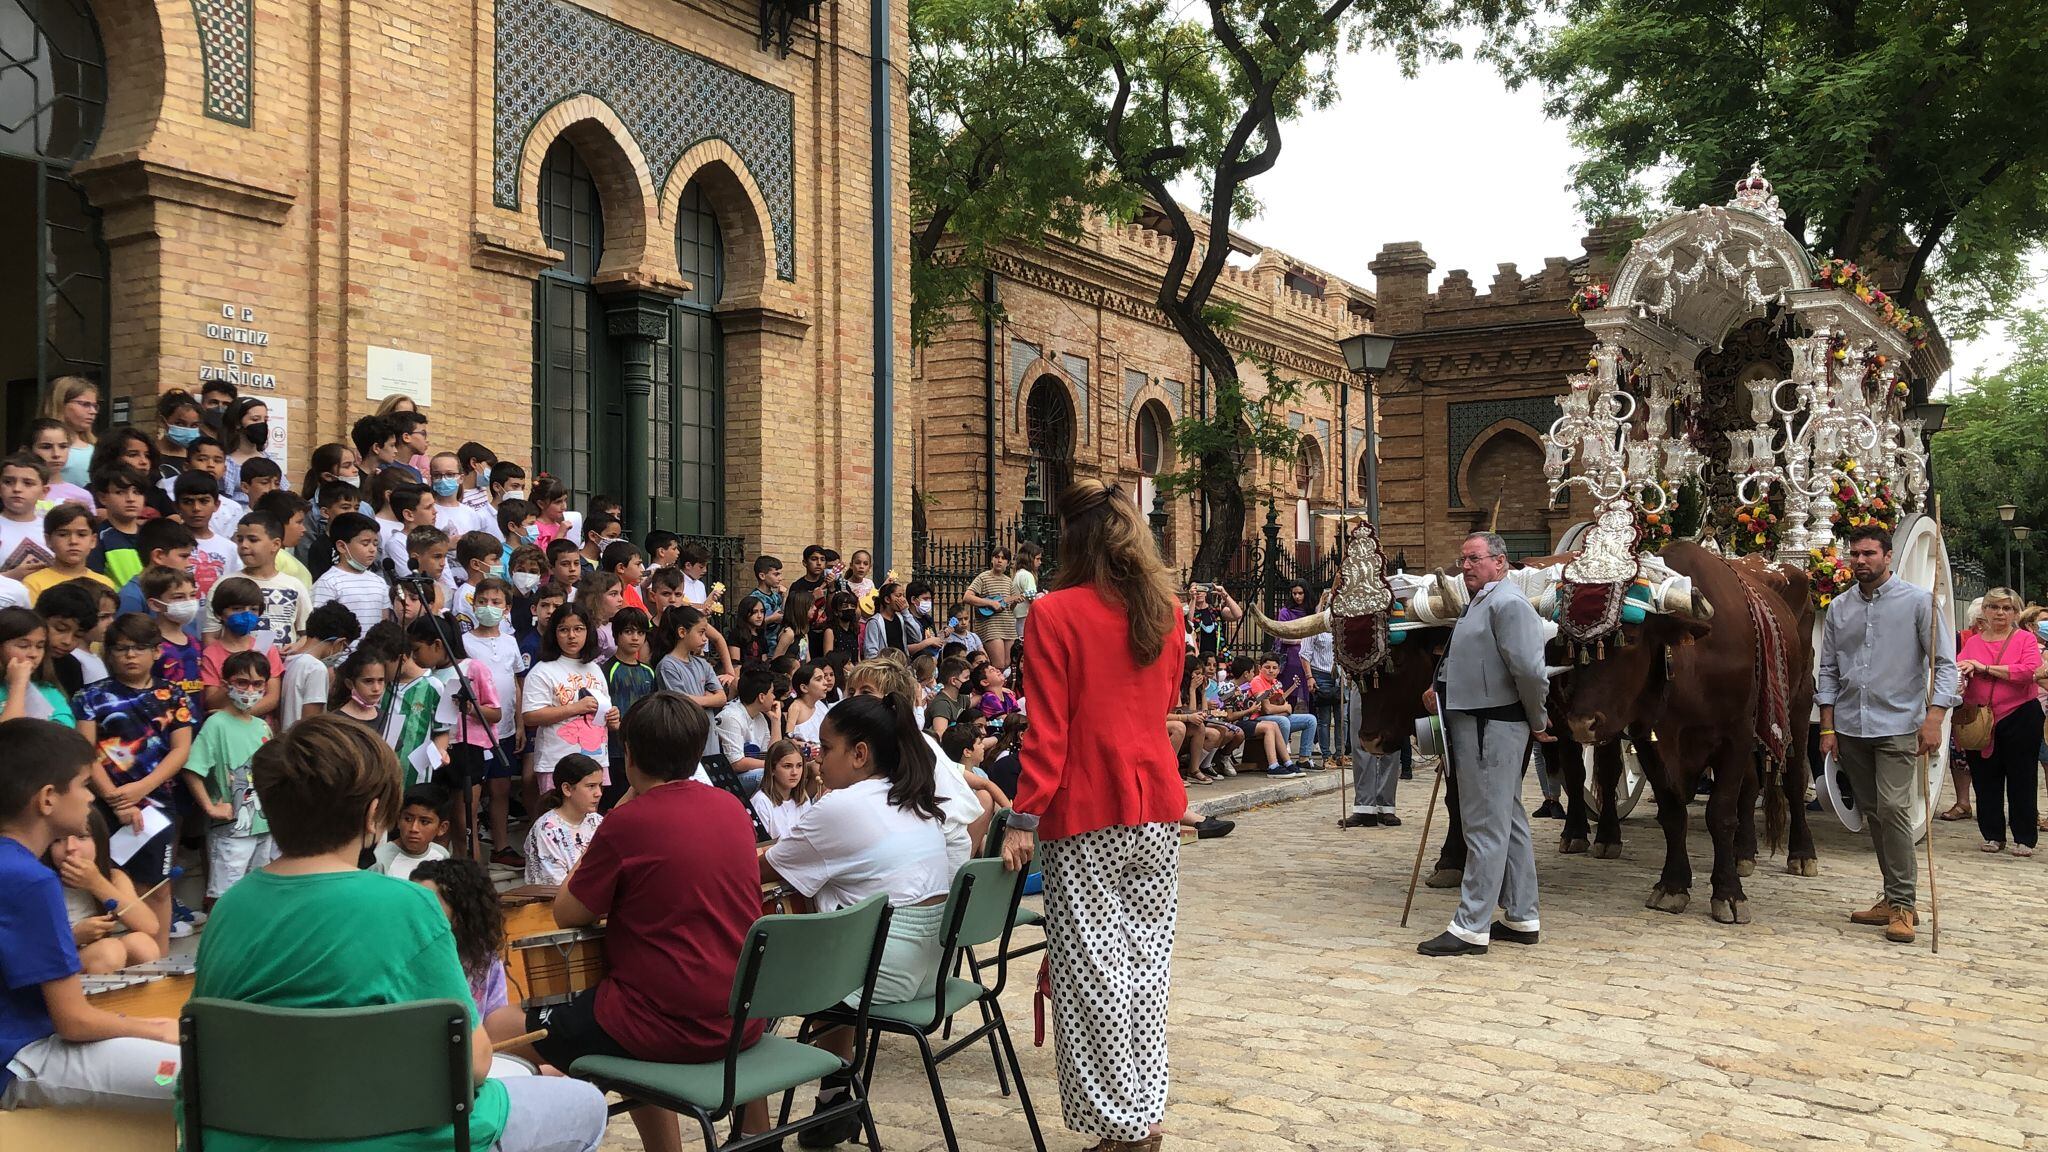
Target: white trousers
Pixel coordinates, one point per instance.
(1110, 899)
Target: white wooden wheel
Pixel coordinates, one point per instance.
(1627, 792)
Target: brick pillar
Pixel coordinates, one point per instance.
(1401, 285)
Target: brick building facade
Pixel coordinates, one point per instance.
(588, 222)
(1083, 376)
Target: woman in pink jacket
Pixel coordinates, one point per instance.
(1998, 664)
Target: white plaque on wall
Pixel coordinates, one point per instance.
(396, 372)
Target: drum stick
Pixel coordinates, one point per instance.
(1933, 787)
(1428, 814)
(124, 909)
(518, 1041)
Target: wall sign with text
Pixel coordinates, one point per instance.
(236, 351)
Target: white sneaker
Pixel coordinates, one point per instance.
(182, 928)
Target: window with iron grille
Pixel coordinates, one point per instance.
(569, 339)
(688, 442)
(1308, 470)
(1152, 438)
(53, 94)
(1049, 436)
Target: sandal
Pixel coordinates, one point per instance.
(1956, 812)
(1991, 846)
(2021, 850)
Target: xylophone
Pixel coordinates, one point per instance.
(156, 988)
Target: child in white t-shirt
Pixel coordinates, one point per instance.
(788, 789)
(556, 841)
(422, 821)
(565, 698)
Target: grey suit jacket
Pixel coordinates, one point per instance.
(1496, 656)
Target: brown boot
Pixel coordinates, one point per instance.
(1878, 914)
(1900, 929)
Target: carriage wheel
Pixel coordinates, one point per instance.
(1627, 792)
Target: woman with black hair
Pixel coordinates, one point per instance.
(878, 829)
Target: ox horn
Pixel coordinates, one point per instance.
(1301, 628)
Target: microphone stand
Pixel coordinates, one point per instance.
(464, 696)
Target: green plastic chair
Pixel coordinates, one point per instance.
(412, 1060)
(1024, 917)
(791, 966)
(980, 909)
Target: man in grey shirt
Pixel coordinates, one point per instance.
(1875, 711)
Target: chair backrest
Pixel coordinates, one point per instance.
(325, 1074)
(983, 901)
(992, 844)
(798, 965)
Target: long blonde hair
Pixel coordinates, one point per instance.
(1104, 543)
(63, 390)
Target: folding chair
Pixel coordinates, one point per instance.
(352, 1073)
(979, 909)
(791, 966)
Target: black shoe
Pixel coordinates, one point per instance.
(1449, 945)
(1407, 773)
(1389, 820)
(1362, 820)
(832, 1133)
(1512, 935)
(1214, 828)
(1549, 810)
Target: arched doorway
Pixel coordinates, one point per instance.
(1049, 436)
(572, 409)
(1505, 486)
(53, 305)
(688, 444)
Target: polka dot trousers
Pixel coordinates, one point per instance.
(1109, 914)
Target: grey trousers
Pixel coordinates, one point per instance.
(1500, 866)
(1883, 774)
(1373, 779)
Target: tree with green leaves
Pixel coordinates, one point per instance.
(1994, 450)
(998, 151)
(1195, 97)
(1902, 134)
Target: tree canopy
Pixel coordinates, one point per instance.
(997, 152)
(1900, 133)
(1994, 450)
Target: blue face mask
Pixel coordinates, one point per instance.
(483, 477)
(182, 436)
(447, 486)
(241, 622)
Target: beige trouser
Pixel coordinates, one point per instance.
(1883, 775)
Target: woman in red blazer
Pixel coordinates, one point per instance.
(1101, 789)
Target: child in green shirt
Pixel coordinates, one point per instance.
(217, 772)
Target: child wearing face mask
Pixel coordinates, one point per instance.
(238, 607)
(217, 773)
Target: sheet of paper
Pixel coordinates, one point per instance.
(126, 842)
(425, 759)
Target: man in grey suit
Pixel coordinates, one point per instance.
(1493, 690)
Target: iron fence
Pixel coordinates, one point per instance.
(730, 564)
(949, 565)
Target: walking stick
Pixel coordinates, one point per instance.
(1428, 815)
(1933, 787)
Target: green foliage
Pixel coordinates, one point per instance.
(1906, 130)
(997, 154)
(1994, 450)
(1240, 425)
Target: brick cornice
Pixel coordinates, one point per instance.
(129, 191)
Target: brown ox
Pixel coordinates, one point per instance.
(1696, 688)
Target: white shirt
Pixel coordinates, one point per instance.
(500, 654)
(395, 862)
(392, 534)
(305, 682)
(957, 801)
(20, 539)
(1319, 652)
(364, 593)
(13, 593)
(457, 520)
(853, 843)
(90, 667)
(777, 819)
(552, 683)
(738, 728)
(226, 519)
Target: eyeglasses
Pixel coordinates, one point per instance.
(1466, 561)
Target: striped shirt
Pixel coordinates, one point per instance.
(363, 593)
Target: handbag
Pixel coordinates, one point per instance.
(1974, 722)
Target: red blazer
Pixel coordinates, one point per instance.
(1096, 754)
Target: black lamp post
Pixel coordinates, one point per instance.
(1365, 354)
(2020, 532)
(2006, 512)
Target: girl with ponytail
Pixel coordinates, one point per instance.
(878, 830)
(569, 819)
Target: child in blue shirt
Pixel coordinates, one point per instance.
(56, 1049)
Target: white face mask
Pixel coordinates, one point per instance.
(246, 698)
(525, 582)
(924, 607)
(181, 611)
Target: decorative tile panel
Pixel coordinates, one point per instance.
(1323, 433)
(1178, 392)
(1134, 383)
(227, 35)
(1023, 357)
(669, 99)
(1470, 419)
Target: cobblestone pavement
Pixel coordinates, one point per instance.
(1303, 1019)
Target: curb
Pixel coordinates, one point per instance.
(1314, 784)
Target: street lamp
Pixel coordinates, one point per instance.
(2020, 532)
(1365, 354)
(2005, 514)
(1931, 414)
